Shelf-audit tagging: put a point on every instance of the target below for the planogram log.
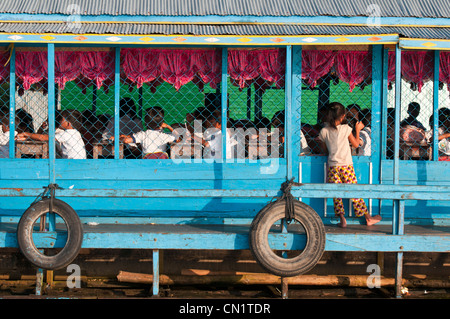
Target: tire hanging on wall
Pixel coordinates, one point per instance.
(74, 234)
(266, 256)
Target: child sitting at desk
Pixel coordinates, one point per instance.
(4, 137)
(69, 139)
(154, 142)
(212, 138)
(443, 133)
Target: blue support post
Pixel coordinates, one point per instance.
(399, 206)
(117, 103)
(51, 111)
(377, 99)
(296, 101)
(12, 102)
(224, 101)
(384, 106)
(436, 106)
(288, 140)
(155, 272)
(398, 89)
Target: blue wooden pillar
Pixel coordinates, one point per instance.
(288, 132)
(155, 260)
(399, 206)
(51, 111)
(296, 110)
(12, 101)
(377, 100)
(116, 102)
(436, 106)
(224, 100)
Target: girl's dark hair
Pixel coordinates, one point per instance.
(335, 111)
(154, 118)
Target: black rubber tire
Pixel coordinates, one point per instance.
(74, 235)
(268, 259)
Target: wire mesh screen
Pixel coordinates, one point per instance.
(31, 101)
(257, 103)
(4, 106)
(416, 111)
(336, 76)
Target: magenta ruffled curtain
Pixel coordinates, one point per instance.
(265, 67)
(98, 66)
(353, 67)
(203, 66)
(444, 67)
(67, 67)
(316, 64)
(417, 67)
(4, 66)
(177, 67)
(31, 67)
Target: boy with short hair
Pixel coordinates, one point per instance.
(69, 138)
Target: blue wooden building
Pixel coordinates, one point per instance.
(250, 62)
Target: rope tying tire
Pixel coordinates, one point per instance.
(287, 208)
(43, 204)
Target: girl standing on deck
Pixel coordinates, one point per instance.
(336, 138)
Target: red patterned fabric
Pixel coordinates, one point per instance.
(444, 67)
(265, 67)
(353, 67)
(417, 67)
(316, 64)
(31, 67)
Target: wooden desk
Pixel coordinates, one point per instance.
(105, 149)
(38, 149)
(186, 150)
(415, 151)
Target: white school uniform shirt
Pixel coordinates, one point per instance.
(443, 145)
(214, 138)
(339, 152)
(304, 144)
(71, 143)
(153, 141)
(365, 149)
(4, 144)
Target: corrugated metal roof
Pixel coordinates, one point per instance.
(219, 29)
(388, 8)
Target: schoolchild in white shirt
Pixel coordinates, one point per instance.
(155, 143)
(70, 141)
(4, 137)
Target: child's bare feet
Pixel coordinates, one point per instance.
(343, 221)
(371, 220)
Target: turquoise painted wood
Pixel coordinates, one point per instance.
(143, 192)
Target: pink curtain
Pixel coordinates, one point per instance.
(67, 67)
(316, 64)
(353, 67)
(248, 66)
(31, 67)
(140, 65)
(391, 67)
(4, 66)
(444, 67)
(175, 66)
(98, 66)
(417, 67)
